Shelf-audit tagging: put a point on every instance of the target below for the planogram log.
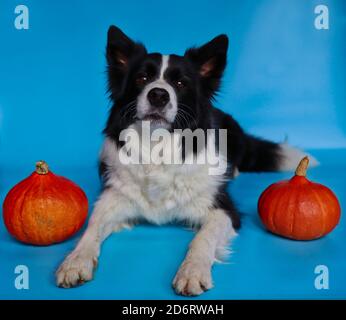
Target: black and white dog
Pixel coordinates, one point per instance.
(171, 92)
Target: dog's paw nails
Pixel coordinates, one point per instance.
(75, 271)
(192, 279)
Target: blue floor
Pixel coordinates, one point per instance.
(141, 263)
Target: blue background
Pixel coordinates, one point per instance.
(284, 78)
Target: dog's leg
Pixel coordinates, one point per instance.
(194, 275)
(111, 212)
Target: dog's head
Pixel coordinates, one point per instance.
(170, 91)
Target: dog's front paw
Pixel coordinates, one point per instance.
(75, 270)
(193, 278)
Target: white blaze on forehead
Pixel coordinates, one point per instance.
(164, 65)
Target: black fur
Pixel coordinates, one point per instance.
(200, 71)
(246, 152)
(224, 201)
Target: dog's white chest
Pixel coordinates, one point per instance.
(163, 192)
(157, 183)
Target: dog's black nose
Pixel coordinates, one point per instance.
(158, 97)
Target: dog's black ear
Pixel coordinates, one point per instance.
(121, 50)
(210, 61)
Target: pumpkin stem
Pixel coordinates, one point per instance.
(41, 167)
(302, 167)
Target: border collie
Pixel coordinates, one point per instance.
(170, 92)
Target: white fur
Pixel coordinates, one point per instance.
(164, 65)
(194, 275)
(185, 190)
(291, 157)
(111, 213)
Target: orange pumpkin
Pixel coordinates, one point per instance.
(44, 208)
(298, 208)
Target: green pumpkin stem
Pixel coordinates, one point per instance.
(302, 167)
(41, 167)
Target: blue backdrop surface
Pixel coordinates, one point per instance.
(285, 78)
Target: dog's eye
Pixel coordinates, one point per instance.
(141, 79)
(180, 84)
